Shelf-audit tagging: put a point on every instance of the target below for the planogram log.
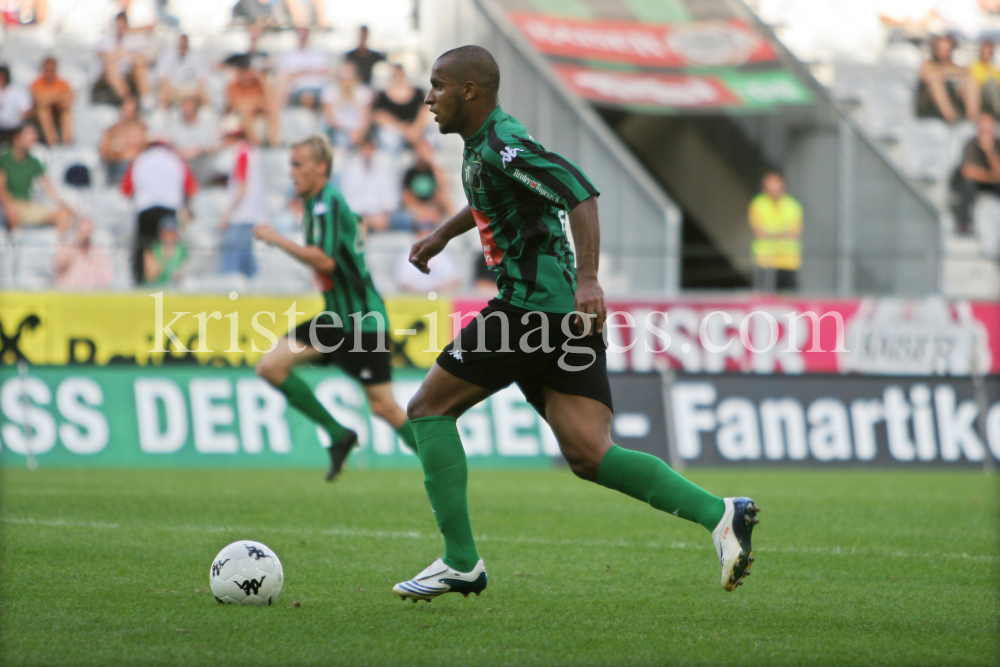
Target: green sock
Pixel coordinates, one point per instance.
(650, 480)
(301, 396)
(406, 433)
(446, 478)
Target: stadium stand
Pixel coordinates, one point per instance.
(870, 55)
(70, 33)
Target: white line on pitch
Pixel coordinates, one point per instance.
(413, 535)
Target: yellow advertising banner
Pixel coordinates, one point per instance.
(54, 328)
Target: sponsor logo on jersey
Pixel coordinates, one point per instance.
(535, 185)
(508, 154)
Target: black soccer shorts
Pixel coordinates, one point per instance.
(573, 365)
(366, 365)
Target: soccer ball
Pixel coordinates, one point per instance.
(246, 572)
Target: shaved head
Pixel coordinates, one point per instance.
(475, 64)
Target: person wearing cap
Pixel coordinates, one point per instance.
(159, 182)
(247, 207)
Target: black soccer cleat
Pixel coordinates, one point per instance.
(338, 454)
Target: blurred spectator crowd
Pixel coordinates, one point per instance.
(153, 168)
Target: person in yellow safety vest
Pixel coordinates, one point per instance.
(776, 220)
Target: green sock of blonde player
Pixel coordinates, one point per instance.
(405, 432)
(446, 478)
(652, 481)
(301, 396)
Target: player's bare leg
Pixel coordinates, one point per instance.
(276, 367)
(583, 429)
(383, 404)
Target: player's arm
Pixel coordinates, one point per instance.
(586, 226)
(310, 255)
(423, 250)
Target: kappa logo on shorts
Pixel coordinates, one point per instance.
(365, 374)
(457, 354)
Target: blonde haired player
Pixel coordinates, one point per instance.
(350, 332)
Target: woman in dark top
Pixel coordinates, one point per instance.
(399, 113)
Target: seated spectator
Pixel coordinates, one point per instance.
(306, 13)
(425, 194)
(160, 184)
(123, 141)
(987, 76)
(946, 90)
(399, 113)
(363, 58)
(53, 99)
(79, 265)
(981, 166)
(247, 207)
(181, 73)
(194, 135)
(443, 276)
(164, 260)
(347, 107)
(370, 186)
(126, 71)
(302, 74)
(250, 97)
(15, 105)
(776, 221)
(19, 170)
(257, 13)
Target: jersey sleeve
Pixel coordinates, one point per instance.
(543, 172)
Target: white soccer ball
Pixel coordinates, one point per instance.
(246, 572)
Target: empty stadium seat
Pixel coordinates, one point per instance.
(926, 146)
(297, 124)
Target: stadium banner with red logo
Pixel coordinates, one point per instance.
(708, 43)
(764, 336)
(651, 90)
(706, 64)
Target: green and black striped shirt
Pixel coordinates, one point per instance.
(330, 225)
(520, 196)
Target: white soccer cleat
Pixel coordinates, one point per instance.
(439, 579)
(732, 540)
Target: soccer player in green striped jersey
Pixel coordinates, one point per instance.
(542, 332)
(350, 332)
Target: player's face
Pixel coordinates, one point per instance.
(308, 175)
(445, 100)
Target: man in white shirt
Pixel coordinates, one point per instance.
(194, 134)
(15, 102)
(247, 207)
(370, 186)
(159, 182)
(126, 71)
(181, 73)
(303, 73)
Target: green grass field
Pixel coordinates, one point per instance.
(852, 568)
